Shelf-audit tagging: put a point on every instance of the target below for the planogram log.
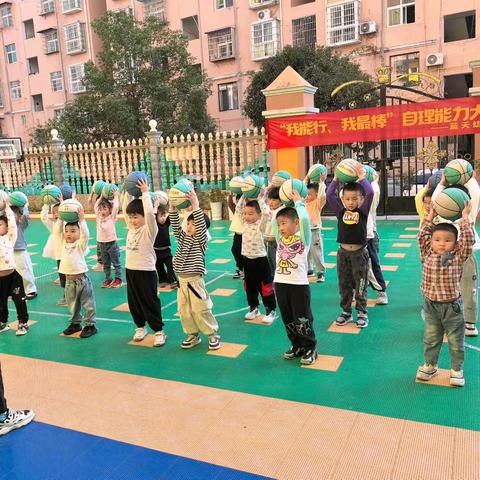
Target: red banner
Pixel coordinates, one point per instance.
(458, 116)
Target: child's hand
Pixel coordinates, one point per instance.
(466, 211)
(156, 203)
(323, 177)
(192, 196)
(116, 194)
(431, 214)
(296, 196)
(443, 180)
(81, 214)
(60, 198)
(74, 194)
(143, 186)
(360, 171)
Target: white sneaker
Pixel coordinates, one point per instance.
(426, 372)
(252, 314)
(22, 329)
(140, 334)
(16, 419)
(382, 298)
(270, 318)
(4, 327)
(159, 339)
(98, 267)
(456, 378)
(471, 330)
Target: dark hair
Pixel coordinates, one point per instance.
(191, 218)
(354, 187)
(313, 185)
(72, 224)
(445, 227)
(288, 212)
(238, 196)
(429, 193)
(463, 188)
(274, 193)
(4, 218)
(16, 210)
(135, 207)
(161, 209)
(105, 203)
(55, 205)
(254, 204)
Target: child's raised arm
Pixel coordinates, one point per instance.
(84, 233)
(150, 220)
(175, 221)
(199, 219)
(419, 202)
(332, 199)
(425, 234)
(304, 218)
(367, 187)
(467, 235)
(45, 219)
(12, 224)
(115, 204)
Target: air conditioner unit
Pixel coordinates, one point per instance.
(434, 59)
(263, 14)
(368, 27)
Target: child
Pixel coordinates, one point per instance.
(194, 303)
(73, 239)
(162, 249)
(106, 216)
(236, 226)
(142, 280)
(53, 247)
(256, 269)
(292, 231)
(443, 255)
(274, 204)
(314, 203)
(98, 267)
(11, 284)
(23, 262)
(352, 256)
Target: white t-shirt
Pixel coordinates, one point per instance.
(72, 261)
(53, 247)
(372, 216)
(7, 241)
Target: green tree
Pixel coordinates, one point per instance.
(321, 67)
(143, 72)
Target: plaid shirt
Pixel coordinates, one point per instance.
(441, 274)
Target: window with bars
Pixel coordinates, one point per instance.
(56, 81)
(75, 37)
(400, 12)
(71, 5)
(220, 45)
(409, 65)
(265, 39)
(47, 6)
(7, 17)
(11, 50)
(52, 45)
(219, 4)
(154, 8)
(77, 73)
(406, 147)
(304, 31)
(343, 23)
(15, 90)
(228, 96)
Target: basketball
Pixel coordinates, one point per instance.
(67, 191)
(280, 177)
(458, 172)
(316, 171)
(370, 173)
(450, 202)
(235, 184)
(251, 186)
(162, 198)
(178, 194)
(434, 180)
(3, 200)
(108, 190)
(68, 210)
(131, 181)
(51, 195)
(287, 188)
(17, 199)
(345, 171)
(97, 187)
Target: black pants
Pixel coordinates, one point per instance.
(61, 276)
(258, 280)
(3, 400)
(165, 262)
(143, 300)
(237, 251)
(294, 304)
(12, 286)
(373, 250)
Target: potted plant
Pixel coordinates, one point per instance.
(216, 203)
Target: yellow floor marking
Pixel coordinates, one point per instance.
(74, 335)
(389, 268)
(330, 265)
(348, 328)
(121, 308)
(221, 260)
(407, 236)
(223, 292)
(218, 241)
(395, 255)
(218, 228)
(146, 342)
(412, 229)
(14, 325)
(30, 245)
(257, 320)
(229, 350)
(441, 380)
(327, 228)
(332, 254)
(330, 363)
(402, 245)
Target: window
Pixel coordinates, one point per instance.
(51, 41)
(459, 26)
(227, 97)
(400, 12)
(265, 39)
(154, 8)
(403, 148)
(47, 6)
(37, 101)
(15, 90)
(190, 27)
(32, 64)
(11, 53)
(304, 31)
(76, 78)
(409, 65)
(296, 3)
(457, 86)
(1, 99)
(262, 3)
(7, 17)
(56, 81)
(220, 44)
(23, 119)
(75, 37)
(219, 4)
(29, 29)
(70, 6)
(342, 23)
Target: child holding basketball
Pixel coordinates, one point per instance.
(194, 302)
(352, 255)
(274, 204)
(443, 253)
(162, 246)
(293, 234)
(235, 204)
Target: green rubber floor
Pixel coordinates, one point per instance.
(377, 374)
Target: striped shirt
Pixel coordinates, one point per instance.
(190, 255)
(441, 274)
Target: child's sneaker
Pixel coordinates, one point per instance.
(294, 352)
(117, 283)
(471, 330)
(159, 339)
(456, 378)
(72, 328)
(56, 282)
(192, 340)
(426, 372)
(4, 326)
(321, 278)
(252, 314)
(309, 273)
(343, 319)
(98, 267)
(309, 357)
(107, 283)
(238, 274)
(140, 334)
(382, 298)
(22, 329)
(31, 296)
(62, 302)
(15, 419)
(88, 331)
(214, 342)
(362, 320)
(270, 317)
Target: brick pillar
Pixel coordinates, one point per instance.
(154, 147)
(289, 95)
(475, 92)
(56, 145)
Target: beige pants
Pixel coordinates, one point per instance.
(195, 306)
(469, 289)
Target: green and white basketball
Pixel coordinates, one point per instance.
(251, 186)
(370, 173)
(458, 172)
(108, 191)
(345, 171)
(17, 199)
(68, 210)
(3, 200)
(97, 187)
(50, 195)
(178, 194)
(316, 171)
(450, 202)
(235, 184)
(280, 177)
(162, 198)
(287, 189)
